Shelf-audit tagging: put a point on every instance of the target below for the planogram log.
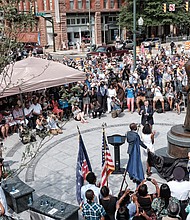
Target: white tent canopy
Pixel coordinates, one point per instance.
(35, 74)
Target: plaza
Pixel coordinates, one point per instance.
(53, 171)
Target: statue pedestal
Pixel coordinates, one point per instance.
(178, 141)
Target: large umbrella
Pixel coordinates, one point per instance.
(34, 74)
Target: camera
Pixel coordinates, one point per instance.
(148, 179)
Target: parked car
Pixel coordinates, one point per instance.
(109, 51)
(34, 47)
(151, 41)
(128, 44)
(147, 42)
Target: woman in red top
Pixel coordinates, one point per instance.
(56, 110)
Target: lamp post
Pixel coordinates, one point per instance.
(90, 25)
(140, 24)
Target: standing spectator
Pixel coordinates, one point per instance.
(92, 210)
(108, 202)
(172, 46)
(169, 95)
(28, 114)
(178, 101)
(56, 110)
(102, 95)
(111, 93)
(180, 189)
(130, 96)
(161, 203)
(37, 110)
(147, 114)
(86, 99)
(120, 94)
(91, 179)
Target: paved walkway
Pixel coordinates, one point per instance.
(52, 172)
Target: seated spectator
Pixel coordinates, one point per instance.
(4, 126)
(96, 109)
(108, 202)
(78, 115)
(11, 122)
(161, 204)
(41, 124)
(116, 107)
(56, 110)
(19, 116)
(52, 124)
(178, 101)
(157, 96)
(92, 210)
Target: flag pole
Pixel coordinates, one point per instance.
(124, 180)
(103, 127)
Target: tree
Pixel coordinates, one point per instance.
(153, 14)
(12, 23)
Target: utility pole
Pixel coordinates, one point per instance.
(134, 34)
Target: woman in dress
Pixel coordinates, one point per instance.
(86, 99)
(169, 94)
(111, 93)
(56, 110)
(147, 137)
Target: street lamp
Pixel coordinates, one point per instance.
(140, 24)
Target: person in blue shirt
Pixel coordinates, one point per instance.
(129, 94)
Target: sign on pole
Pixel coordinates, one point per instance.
(171, 7)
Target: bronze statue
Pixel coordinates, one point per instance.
(187, 117)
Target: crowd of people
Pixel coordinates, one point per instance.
(169, 201)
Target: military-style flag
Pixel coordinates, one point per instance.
(82, 168)
(107, 162)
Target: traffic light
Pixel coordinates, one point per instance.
(186, 6)
(164, 7)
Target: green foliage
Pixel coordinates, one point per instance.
(13, 23)
(153, 14)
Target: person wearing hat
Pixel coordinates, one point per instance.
(173, 212)
(180, 189)
(91, 179)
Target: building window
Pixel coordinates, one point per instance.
(78, 20)
(83, 21)
(51, 5)
(105, 3)
(87, 4)
(36, 6)
(68, 21)
(119, 3)
(112, 3)
(79, 4)
(45, 5)
(71, 4)
(76, 34)
(72, 21)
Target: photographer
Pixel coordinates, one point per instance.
(115, 107)
(40, 124)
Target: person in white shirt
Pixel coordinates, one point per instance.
(156, 90)
(28, 114)
(180, 189)
(37, 110)
(91, 179)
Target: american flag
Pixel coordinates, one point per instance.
(83, 167)
(107, 162)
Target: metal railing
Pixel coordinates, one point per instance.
(176, 39)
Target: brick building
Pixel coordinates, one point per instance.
(70, 19)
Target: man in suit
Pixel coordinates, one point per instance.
(134, 166)
(147, 113)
